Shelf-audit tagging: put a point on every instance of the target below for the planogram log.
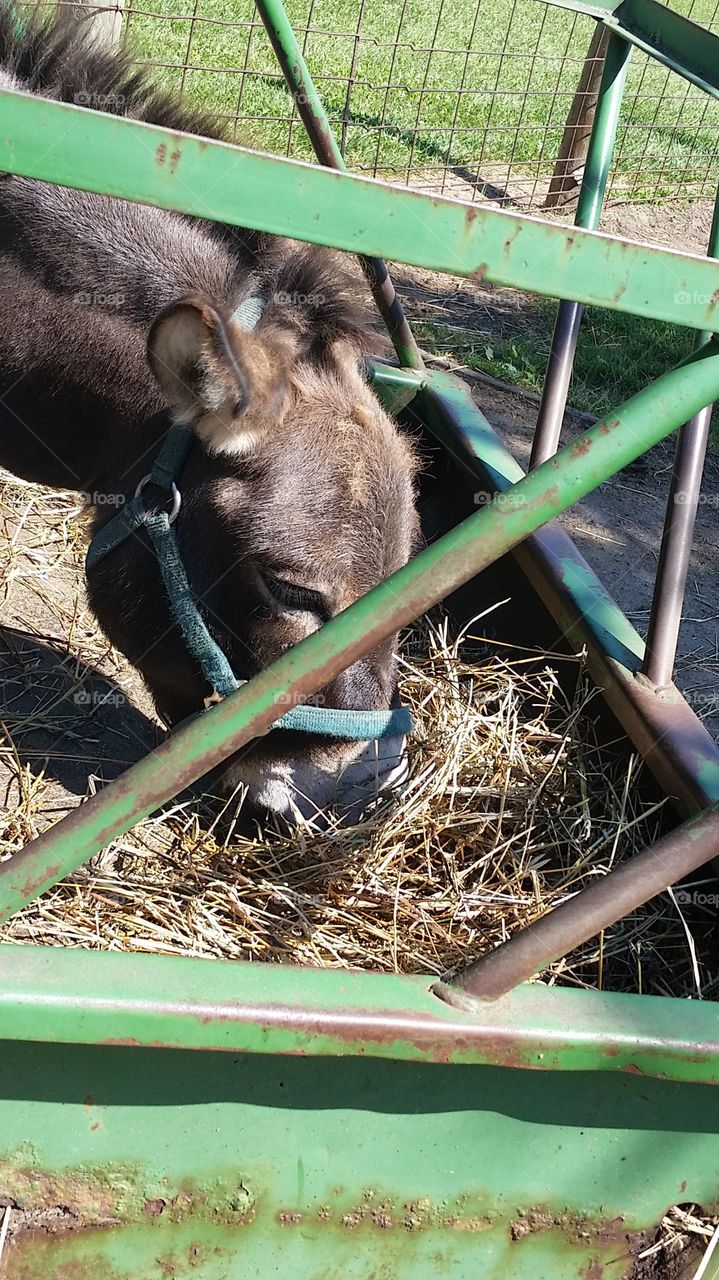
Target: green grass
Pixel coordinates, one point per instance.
(616, 356)
(513, 108)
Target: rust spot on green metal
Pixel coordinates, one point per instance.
(115, 1195)
(161, 153)
(580, 447)
(32, 886)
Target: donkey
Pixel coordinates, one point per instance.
(121, 324)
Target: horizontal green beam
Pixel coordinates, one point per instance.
(669, 38)
(81, 148)
(452, 560)
(81, 997)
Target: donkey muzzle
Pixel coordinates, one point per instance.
(323, 793)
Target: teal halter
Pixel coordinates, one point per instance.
(332, 722)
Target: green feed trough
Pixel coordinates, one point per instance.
(173, 1117)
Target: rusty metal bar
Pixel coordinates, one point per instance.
(60, 995)
(594, 181)
(684, 492)
(622, 890)
(649, 416)
(319, 130)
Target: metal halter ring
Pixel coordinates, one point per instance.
(176, 497)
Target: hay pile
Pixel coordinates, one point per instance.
(511, 807)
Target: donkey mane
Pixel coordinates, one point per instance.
(59, 56)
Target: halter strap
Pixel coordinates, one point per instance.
(332, 722)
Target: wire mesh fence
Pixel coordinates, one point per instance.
(465, 97)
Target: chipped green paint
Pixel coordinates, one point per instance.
(224, 1166)
(81, 148)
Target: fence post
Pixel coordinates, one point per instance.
(106, 18)
(566, 181)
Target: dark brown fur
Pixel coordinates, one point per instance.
(298, 494)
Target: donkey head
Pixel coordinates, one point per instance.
(297, 498)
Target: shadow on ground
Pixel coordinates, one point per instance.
(78, 728)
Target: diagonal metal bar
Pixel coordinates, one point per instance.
(669, 38)
(588, 912)
(319, 131)
(648, 417)
(76, 147)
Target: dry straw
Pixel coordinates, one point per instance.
(512, 806)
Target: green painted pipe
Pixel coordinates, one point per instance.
(597, 455)
(604, 133)
(560, 363)
(76, 147)
(319, 130)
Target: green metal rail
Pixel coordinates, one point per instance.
(81, 148)
(403, 1146)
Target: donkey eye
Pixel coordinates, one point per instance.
(292, 596)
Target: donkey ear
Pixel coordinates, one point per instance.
(191, 357)
(202, 374)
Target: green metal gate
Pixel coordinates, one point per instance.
(369, 1125)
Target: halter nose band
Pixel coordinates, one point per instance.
(358, 726)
